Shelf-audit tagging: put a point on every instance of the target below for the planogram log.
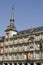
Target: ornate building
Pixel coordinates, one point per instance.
(21, 47)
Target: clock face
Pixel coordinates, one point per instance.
(13, 33)
(38, 45)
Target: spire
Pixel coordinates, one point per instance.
(11, 26)
(12, 17)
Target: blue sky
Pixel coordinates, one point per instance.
(27, 14)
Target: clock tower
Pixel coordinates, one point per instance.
(11, 29)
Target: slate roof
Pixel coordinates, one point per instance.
(32, 31)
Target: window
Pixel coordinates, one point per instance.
(25, 56)
(1, 50)
(22, 56)
(31, 46)
(17, 57)
(0, 57)
(38, 55)
(26, 39)
(21, 40)
(31, 38)
(20, 48)
(18, 40)
(25, 48)
(10, 49)
(2, 44)
(42, 54)
(10, 57)
(15, 42)
(15, 49)
(6, 43)
(5, 57)
(32, 56)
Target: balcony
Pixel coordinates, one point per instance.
(37, 38)
(11, 42)
(1, 57)
(6, 50)
(5, 58)
(42, 55)
(15, 42)
(6, 43)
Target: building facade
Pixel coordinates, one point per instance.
(21, 47)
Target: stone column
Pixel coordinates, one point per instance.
(12, 63)
(28, 63)
(23, 64)
(35, 63)
(41, 63)
(17, 63)
(8, 64)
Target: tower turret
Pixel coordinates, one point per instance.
(12, 18)
(11, 29)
